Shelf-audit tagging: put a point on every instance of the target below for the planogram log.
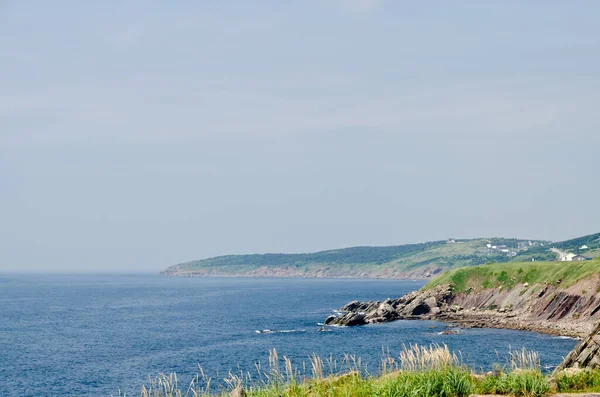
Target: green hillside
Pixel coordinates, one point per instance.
(403, 261)
(507, 275)
(592, 242)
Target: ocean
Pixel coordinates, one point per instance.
(96, 335)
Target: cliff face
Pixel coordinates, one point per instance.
(544, 308)
(572, 311)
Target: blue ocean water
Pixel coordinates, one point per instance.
(95, 335)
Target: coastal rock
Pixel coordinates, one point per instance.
(350, 319)
(351, 306)
(386, 310)
(450, 332)
(330, 319)
(418, 308)
(431, 302)
(585, 355)
(356, 319)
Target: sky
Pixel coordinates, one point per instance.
(139, 134)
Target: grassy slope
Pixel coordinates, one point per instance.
(573, 245)
(509, 274)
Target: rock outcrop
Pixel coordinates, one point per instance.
(415, 305)
(586, 354)
(545, 308)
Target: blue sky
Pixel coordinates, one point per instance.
(134, 135)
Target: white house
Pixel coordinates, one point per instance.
(584, 247)
(568, 257)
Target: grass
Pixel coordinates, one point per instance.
(418, 371)
(578, 381)
(504, 275)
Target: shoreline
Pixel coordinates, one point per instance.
(577, 331)
(296, 276)
(553, 313)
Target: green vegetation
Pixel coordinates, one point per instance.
(592, 241)
(403, 261)
(412, 260)
(578, 381)
(417, 372)
(507, 275)
(518, 383)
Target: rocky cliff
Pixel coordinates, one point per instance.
(542, 307)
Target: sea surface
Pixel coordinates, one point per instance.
(97, 335)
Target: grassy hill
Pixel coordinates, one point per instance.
(507, 275)
(403, 261)
(592, 242)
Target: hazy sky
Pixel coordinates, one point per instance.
(138, 134)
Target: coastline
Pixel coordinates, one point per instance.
(386, 274)
(489, 319)
(552, 311)
(298, 275)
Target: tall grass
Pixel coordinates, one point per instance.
(422, 358)
(524, 360)
(417, 371)
(516, 383)
(521, 376)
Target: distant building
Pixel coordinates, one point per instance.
(584, 247)
(451, 241)
(568, 257)
(579, 258)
